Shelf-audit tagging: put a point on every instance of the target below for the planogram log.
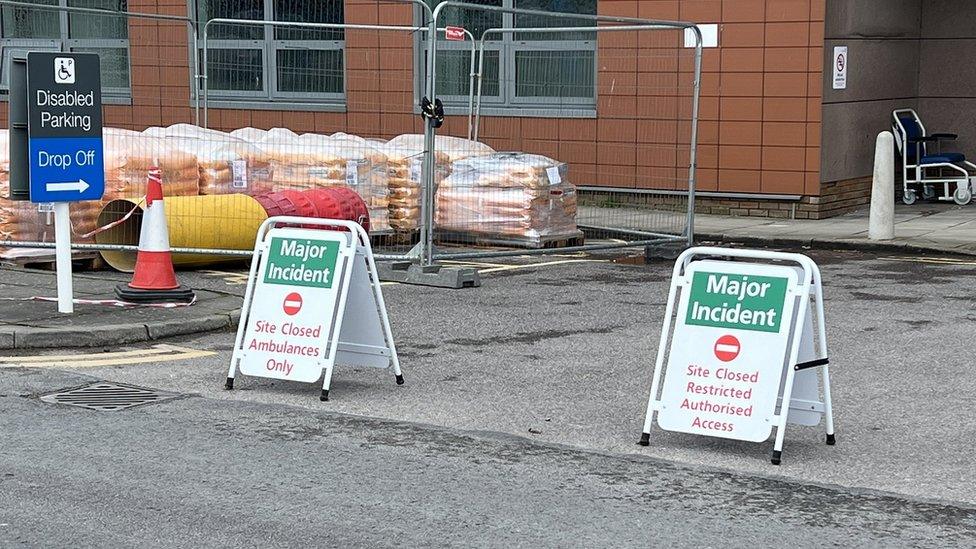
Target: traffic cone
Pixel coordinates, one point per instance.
(154, 280)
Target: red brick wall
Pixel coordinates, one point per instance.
(760, 105)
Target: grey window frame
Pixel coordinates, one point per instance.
(269, 45)
(507, 103)
(110, 95)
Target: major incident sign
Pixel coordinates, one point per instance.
(64, 125)
(727, 353)
(289, 325)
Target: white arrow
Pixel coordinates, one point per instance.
(81, 185)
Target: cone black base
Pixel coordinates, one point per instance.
(133, 295)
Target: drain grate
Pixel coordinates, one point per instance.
(108, 397)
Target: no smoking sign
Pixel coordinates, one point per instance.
(727, 348)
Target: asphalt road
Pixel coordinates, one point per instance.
(198, 472)
(559, 356)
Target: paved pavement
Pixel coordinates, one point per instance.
(198, 472)
(561, 352)
(930, 226)
(29, 321)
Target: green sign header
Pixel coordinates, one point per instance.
(301, 262)
(741, 302)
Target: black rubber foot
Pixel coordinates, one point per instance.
(399, 379)
(831, 440)
(133, 295)
(645, 439)
(777, 457)
(230, 384)
(324, 396)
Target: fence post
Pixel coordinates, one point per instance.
(693, 155)
(430, 162)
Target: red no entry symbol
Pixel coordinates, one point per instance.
(727, 348)
(292, 304)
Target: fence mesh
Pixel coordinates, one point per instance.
(284, 112)
(545, 171)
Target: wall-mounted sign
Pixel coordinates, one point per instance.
(840, 67)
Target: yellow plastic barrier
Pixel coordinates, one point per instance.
(194, 222)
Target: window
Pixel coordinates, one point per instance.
(26, 29)
(545, 71)
(274, 63)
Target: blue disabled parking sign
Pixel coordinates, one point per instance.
(64, 126)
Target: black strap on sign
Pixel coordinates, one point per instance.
(812, 364)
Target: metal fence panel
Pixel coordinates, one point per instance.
(590, 139)
(245, 116)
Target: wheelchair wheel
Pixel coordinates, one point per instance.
(962, 196)
(909, 197)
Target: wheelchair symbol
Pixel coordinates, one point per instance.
(64, 70)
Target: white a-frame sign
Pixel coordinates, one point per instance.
(743, 356)
(313, 300)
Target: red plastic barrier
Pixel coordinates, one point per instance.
(339, 203)
(325, 203)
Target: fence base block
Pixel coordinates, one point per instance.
(665, 250)
(439, 276)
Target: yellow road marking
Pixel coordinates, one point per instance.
(158, 353)
(234, 279)
(934, 260)
(475, 263)
(158, 350)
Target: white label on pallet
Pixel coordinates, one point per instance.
(553, 173)
(238, 169)
(352, 173)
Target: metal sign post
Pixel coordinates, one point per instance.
(64, 129)
(741, 356)
(313, 300)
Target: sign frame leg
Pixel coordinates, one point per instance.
(645, 438)
(802, 307)
(381, 304)
(326, 383)
(824, 372)
(347, 269)
(245, 310)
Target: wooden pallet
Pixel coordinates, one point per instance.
(485, 240)
(80, 261)
(394, 239)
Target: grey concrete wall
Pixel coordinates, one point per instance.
(882, 37)
(947, 76)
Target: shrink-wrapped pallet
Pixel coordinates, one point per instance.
(316, 161)
(227, 164)
(405, 155)
(404, 167)
(524, 198)
(454, 148)
(250, 135)
(128, 157)
(25, 221)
